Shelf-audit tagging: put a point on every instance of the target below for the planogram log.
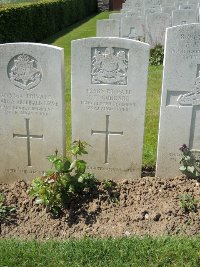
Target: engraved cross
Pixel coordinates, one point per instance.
(107, 135)
(28, 137)
(132, 34)
(192, 99)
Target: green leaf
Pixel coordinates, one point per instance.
(182, 168)
(52, 158)
(66, 166)
(80, 179)
(191, 169)
(81, 166)
(39, 201)
(58, 165)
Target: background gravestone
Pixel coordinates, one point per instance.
(152, 10)
(152, 3)
(168, 9)
(180, 2)
(180, 17)
(108, 28)
(132, 27)
(188, 6)
(193, 2)
(180, 102)
(108, 103)
(32, 122)
(168, 3)
(116, 16)
(156, 25)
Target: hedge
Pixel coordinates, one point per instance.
(33, 22)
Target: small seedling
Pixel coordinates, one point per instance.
(67, 179)
(190, 165)
(109, 186)
(5, 210)
(188, 202)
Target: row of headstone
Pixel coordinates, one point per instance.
(108, 104)
(156, 4)
(134, 22)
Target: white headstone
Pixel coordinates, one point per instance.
(108, 103)
(180, 103)
(195, 2)
(156, 25)
(180, 2)
(133, 27)
(168, 10)
(32, 121)
(188, 7)
(168, 3)
(152, 10)
(126, 7)
(135, 12)
(108, 28)
(135, 3)
(180, 17)
(151, 3)
(116, 16)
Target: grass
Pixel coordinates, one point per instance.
(152, 115)
(87, 28)
(124, 252)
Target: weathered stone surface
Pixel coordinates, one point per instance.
(108, 28)
(152, 3)
(180, 103)
(152, 10)
(133, 27)
(32, 123)
(108, 103)
(168, 9)
(168, 3)
(180, 17)
(116, 16)
(188, 6)
(180, 2)
(156, 25)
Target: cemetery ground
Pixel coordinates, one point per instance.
(146, 206)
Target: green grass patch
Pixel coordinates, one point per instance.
(87, 28)
(152, 115)
(124, 252)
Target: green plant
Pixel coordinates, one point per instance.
(190, 165)
(5, 210)
(188, 202)
(68, 178)
(113, 195)
(108, 185)
(157, 55)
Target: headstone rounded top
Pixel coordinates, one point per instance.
(184, 26)
(103, 41)
(17, 44)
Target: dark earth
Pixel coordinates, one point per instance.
(144, 206)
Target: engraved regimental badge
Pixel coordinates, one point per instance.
(192, 98)
(109, 66)
(24, 71)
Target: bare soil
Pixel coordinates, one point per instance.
(144, 206)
